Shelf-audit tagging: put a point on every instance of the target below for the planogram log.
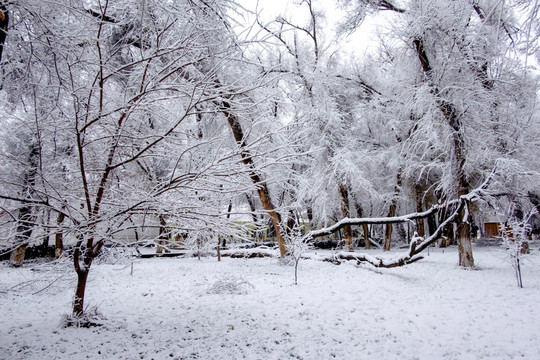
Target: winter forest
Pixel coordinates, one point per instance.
(180, 179)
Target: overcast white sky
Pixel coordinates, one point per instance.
(362, 40)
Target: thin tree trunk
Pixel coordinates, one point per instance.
(419, 196)
(254, 218)
(224, 239)
(59, 236)
(392, 213)
(46, 237)
(218, 249)
(346, 213)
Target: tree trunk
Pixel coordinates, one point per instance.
(218, 249)
(163, 235)
(59, 236)
(466, 259)
(388, 231)
(46, 237)
(419, 196)
(78, 302)
(262, 188)
(346, 213)
(359, 213)
(432, 223)
(392, 213)
(82, 270)
(254, 218)
(309, 212)
(453, 119)
(26, 218)
(24, 231)
(16, 258)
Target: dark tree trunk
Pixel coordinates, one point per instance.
(309, 211)
(419, 197)
(432, 223)
(78, 302)
(82, 260)
(59, 236)
(254, 218)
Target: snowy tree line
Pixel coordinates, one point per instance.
(122, 114)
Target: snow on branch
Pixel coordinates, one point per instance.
(471, 196)
(380, 220)
(417, 245)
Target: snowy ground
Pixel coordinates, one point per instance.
(175, 308)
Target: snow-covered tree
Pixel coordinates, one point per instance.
(461, 93)
(122, 90)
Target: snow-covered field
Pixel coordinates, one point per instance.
(176, 308)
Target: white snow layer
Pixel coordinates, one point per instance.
(176, 308)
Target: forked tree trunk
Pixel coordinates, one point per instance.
(452, 117)
(359, 213)
(347, 232)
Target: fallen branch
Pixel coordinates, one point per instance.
(378, 221)
(418, 244)
(471, 196)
